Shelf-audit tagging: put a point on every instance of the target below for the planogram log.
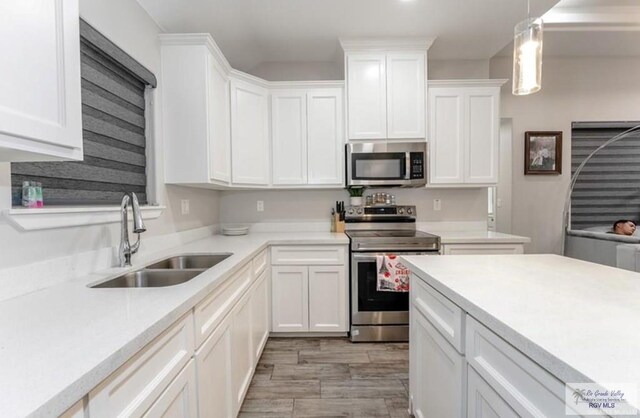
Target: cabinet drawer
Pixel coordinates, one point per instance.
(210, 312)
(524, 385)
(260, 262)
(135, 386)
(308, 255)
(443, 314)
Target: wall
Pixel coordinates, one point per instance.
(315, 206)
(298, 71)
(127, 25)
(573, 89)
(458, 69)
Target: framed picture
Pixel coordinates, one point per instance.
(542, 152)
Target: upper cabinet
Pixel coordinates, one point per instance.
(40, 103)
(250, 133)
(227, 129)
(196, 106)
(307, 136)
(464, 124)
(386, 89)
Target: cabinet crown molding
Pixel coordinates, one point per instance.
(179, 39)
(498, 82)
(386, 44)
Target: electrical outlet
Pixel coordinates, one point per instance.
(499, 202)
(260, 206)
(184, 203)
(437, 204)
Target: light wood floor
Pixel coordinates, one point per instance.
(329, 377)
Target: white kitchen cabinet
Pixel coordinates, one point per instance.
(289, 136)
(260, 314)
(325, 137)
(213, 364)
(438, 372)
(40, 99)
(464, 123)
(309, 288)
(482, 249)
(195, 111)
(242, 356)
(406, 95)
(249, 133)
(290, 298)
(483, 401)
(179, 399)
(367, 96)
(327, 299)
(76, 411)
(386, 88)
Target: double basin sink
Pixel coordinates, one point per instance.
(167, 272)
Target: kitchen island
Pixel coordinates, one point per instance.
(506, 332)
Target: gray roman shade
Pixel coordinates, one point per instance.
(113, 123)
(608, 187)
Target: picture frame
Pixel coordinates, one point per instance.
(543, 152)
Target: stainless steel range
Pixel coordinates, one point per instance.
(375, 231)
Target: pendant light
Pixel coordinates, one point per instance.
(527, 55)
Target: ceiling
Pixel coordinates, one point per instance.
(252, 32)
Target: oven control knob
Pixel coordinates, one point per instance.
(350, 211)
(359, 211)
(409, 211)
(400, 211)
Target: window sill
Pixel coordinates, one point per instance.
(67, 217)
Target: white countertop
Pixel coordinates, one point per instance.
(578, 320)
(478, 237)
(58, 343)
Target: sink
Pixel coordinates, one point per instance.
(150, 278)
(194, 261)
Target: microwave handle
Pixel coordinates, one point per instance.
(407, 166)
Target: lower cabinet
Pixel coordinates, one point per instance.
(260, 314)
(483, 401)
(438, 372)
(179, 399)
(309, 298)
(482, 249)
(241, 350)
(213, 364)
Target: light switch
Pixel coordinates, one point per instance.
(260, 206)
(437, 204)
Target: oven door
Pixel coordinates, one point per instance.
(368, 306)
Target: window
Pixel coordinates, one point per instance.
(114, 141)
(607, 188)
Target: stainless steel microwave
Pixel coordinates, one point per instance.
(401, 164)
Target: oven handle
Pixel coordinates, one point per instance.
(372, 256)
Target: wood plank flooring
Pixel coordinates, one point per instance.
(329, 377)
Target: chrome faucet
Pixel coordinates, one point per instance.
(126, 250)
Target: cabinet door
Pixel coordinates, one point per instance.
(325, 137)
(406, 101)
(213, 365)
(289, 136)
(446, 138)
(249, 134)
(367, 96)
(290, 299)
(40, 103)
(438, 372)
(260, 313)
(482, 126)
(241, 351)
(219, 122)
(327, 299)
(179, 399)
(483, 401)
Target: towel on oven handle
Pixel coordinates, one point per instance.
(393, 276)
